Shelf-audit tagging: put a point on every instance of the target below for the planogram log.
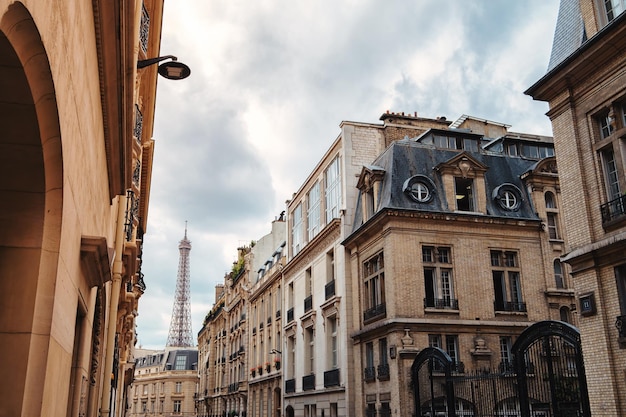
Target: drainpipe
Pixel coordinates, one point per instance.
(105, 402)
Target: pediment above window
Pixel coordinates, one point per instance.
(370, 174)
(462, 165)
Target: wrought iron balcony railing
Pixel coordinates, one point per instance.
(308, 382)
(329, 289)
(448, 303)
(518, 306)
(369, 373)
(290, 315)
(375, 312)
(290, 385)
(308, 303)
(331, 378)
(383, 372)
(613, 210)
(620, 323)
(144, 29)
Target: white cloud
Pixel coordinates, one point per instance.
(271, 81)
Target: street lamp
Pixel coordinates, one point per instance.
(172, 70)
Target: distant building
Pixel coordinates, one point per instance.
(586, 89)
(455, 244)
(165, 383)
(240, 340)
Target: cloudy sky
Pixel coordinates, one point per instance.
(272, 80)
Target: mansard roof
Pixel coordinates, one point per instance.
(407, 159)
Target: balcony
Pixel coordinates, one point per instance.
(510, 306)
(308, 303)
(144, 29)
(331, 378)
(329, 289)
(441, 303)
(383, 372)
(369, 374)
(375, 312)
(308, 382)
(614, 210)
(290, 315)
(290, 386)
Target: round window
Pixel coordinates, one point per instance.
(508, 196)
(419, 188)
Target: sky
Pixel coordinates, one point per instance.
(270, 83)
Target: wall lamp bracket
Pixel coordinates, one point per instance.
(172, 70)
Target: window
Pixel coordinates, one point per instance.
(177, 406)
(145, 389)
(308, 282)
(419, 188)
(296, 231)
(374, 286)
(464, 194)
(310, 350)
(506, 354)
(383, 363)
(291, 351)
(506, 281)
(452, 348)
(332, 343)
(144, 406)
(333, 190)
(550, 201)
(370, 371)
(553, 231)
(179, 387)
(613, 8)
(438, 285)
(620, 278)
(313, 213)
(508, 196)
(611, 173)
(558, 274)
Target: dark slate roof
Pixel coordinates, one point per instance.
(569, 33)
(407, 158)
(191, 359)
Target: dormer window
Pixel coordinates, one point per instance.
(464, 193)
(419, 188)
(508, 196)
(369, 184)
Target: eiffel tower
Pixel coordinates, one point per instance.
(180, 334)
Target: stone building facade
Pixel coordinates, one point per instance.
(588, 114)
(455, 244)
(240, 340)
(75, 168)
(165, 383)
(319, 299)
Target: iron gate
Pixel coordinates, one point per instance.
(545, 379)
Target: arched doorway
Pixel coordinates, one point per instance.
(289, 411)
(30, 209)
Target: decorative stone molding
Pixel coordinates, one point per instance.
(95, 260)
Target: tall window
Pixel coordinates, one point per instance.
(296, 231)
(506, 281)
(291, 351)
(374, 286)
(310, 350)
(558, 274)
(333, 190)
(438, 284)
(177, 406)
(313, 213)
(333, 356)
(611, 173)
(308, 283)
(552, 216)
(506, 354)
(452, 348)
(370, 371)
(179, 387)
(464, 194)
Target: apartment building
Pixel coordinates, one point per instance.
(240, 341)
(76, 159)
(585, 87)
(455, 244)
(165, 383)
(318, 365)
